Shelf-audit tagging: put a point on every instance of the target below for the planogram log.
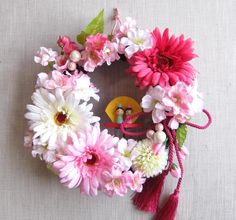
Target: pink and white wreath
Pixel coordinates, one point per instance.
(64, 132)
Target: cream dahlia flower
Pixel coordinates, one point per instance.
(146, 161)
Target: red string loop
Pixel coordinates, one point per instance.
(202, 126)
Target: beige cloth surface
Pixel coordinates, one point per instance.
(29, 192)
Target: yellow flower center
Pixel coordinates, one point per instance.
(139, 41)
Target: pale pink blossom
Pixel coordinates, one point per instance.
(91, 59)
(86, 156)
(45, 55)
(135, 181)
(61, 63)
(128, 24)
(77, 84)
(110, 52)
(115, 182)
(178, 98)
(125, 148)
(175, 171)
(152, 102)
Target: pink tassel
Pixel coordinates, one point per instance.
(148, 199)
(168, 211)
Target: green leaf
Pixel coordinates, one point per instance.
(181, 134)
(94, 27)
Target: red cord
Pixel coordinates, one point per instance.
(204, 126)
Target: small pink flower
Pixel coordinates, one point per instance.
(95, 42)
(178, 98)
(135, 181)
(45, 55)
(110, 52)
(91, 59)
(61, 63)
(175, 171)
(115, 182)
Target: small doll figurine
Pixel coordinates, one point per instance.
(128, 112)
(119, 114)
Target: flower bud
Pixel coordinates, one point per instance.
(175, 171)
(183, 152)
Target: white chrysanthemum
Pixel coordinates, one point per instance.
(55, 116)
(146, 161)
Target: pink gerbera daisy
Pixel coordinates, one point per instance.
(166, 63)
(85, 158)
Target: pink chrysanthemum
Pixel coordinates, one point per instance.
(166, 63)
(85, 158)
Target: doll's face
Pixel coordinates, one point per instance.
(128, 112)
(119, 111)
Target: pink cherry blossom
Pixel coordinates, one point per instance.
(91, 59)
(110, 52)
(128, 24)
(45, 55)
(61, 63)
(115, 182)
(178, 98)
(95, 42)
(125, 148)
(135, 181)
(86, 156)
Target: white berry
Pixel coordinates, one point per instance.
(71, 66)
(75, 56)
(150, 134)
(159, 127)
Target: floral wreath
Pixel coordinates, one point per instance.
(64, 132)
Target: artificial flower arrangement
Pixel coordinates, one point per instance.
(65, 133)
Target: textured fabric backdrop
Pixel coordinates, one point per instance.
(29, 191)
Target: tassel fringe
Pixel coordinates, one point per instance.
(169, 210)
(148, 199)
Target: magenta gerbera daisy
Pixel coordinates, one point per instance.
(166, 63)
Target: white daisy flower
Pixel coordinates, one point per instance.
(55, 116)
(146, 161)
(136, 40)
